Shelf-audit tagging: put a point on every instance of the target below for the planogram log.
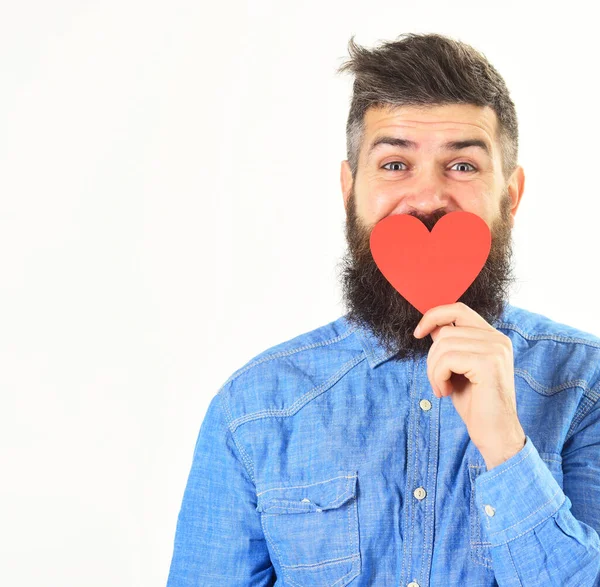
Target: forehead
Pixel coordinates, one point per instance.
(429, 122)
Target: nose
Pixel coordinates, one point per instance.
(427, 193)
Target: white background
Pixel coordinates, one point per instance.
(171, 207)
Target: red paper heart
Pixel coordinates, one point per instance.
(431, 268)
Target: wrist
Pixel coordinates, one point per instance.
(497, 456)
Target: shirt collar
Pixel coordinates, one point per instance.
(374, 350)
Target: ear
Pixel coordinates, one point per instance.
(346, 181)
(516, 187)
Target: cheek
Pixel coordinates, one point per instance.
(376, 202)
(381, 200)
(475, 197)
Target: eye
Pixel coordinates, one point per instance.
(393, 163)
(473, 168)
(465, 163)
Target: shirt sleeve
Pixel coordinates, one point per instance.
(219, 539)
(538, 533)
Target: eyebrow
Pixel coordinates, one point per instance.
(450, 145)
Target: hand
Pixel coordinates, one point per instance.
(472, 362)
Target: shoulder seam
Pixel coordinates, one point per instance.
(247, 462)
(543, 389)
(293, 351)
(555, 337)
(302, 400)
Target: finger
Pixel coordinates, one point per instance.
(449, 330)
(462, 344)
(458, 313)
(462, 363)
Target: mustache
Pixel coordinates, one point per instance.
(429, 220)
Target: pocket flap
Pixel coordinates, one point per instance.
(309, 497)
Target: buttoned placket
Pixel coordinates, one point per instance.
(418, 513)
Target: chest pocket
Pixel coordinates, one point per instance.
(312, 530)
(480, 549)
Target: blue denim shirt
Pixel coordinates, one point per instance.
(324, 462)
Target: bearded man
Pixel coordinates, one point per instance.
(388, 447)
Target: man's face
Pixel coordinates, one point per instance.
(427, 180)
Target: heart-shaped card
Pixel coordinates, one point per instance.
(431, 268)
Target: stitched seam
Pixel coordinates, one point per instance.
(333, 561)
(517, 523)
(436, 433)
(479, 548)
(350, 536)
(425, 506)
(274, 545)
(411, 501)
(528, 453)
(355, 557)
(295, 505)
(532, 527)
(308, 484)
(356, 537)
(551, 390)
(433, 431)
(302, 400)
(286, 568)
(293, 583)
(285, 507)
(546, 459)
(352, 570)
(249, 466)
(413, 473)
(289, 352)
(429, 502)
(472, 505)
(528, 516)
(513, 564)
(554, 337)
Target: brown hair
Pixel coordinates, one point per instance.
(426, 69)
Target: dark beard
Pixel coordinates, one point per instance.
(373, 302)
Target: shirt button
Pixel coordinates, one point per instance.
(413, 584)
(419, 493)
(425, 405)
(489, 510)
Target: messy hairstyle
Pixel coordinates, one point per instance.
(426, 70)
